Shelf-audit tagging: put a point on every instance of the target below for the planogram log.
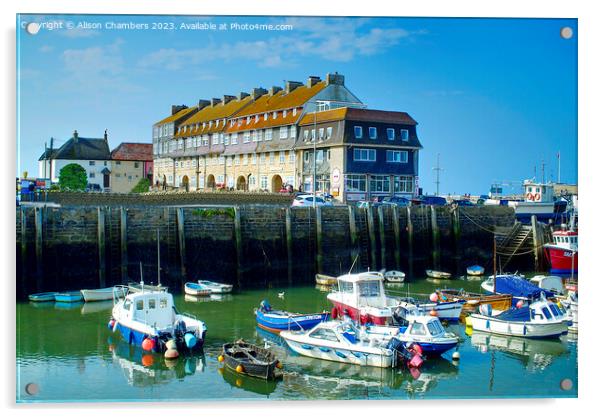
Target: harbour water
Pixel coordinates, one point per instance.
(70, 354)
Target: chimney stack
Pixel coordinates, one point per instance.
(258, 92)
(336, 79)
(106, 136)
(274, 90)
(215, 101)
(75, 136)
(175, 108)
(242, 95)
(291, 85)
(313, 80)
(228, 99)
(203, 103)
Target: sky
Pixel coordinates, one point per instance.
(494, 98)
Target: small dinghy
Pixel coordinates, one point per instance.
(101, 294)
(42, 297)
(540, 319)
(277, 320)
(198, 290)
(394, 276)
(322, 279)
(248, 359)
(515, 285)
(68, 297)
(216, 287)
(475, 270)
(438, 274)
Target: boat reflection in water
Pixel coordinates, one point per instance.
(68, 306)
(97, 307)
(248, 383)
(144, 369)
(207, 298)
(534, 354)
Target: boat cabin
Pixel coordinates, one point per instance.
(425, 326)
(364, 289)
(154, 308)
(566, 239)
(538, 192)
(544, 311)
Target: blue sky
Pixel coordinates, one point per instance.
(493, 97)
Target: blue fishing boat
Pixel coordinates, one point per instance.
(277, 320)
(42, 297)
(68, 297)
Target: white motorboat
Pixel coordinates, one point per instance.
(196, 290)
(150, 314)
(394, 276)
(438, 274)
(216, 287)
(427, 332)
(447, 310)
(340, 341)
(101, 294)
(571, 305)
(540, 319)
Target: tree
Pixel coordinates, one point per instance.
(73, 177)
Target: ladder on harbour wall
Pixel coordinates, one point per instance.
(363, 240)
(516, 242)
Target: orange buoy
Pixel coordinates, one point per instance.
(279, 365)
(148, 344)
(171, 354)
(433, 313)
(240, 369)
(148, 360)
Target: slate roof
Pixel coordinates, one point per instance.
(366, 115)
(80, 148)
(128, 151)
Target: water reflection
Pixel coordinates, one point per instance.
(68, 306)
(205, 299)
(248, 383)
(97, 307)
(534, 354)
(144, 369)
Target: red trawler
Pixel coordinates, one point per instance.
(563, 253)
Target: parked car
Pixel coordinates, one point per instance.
(364, 204)
(398, 201)
(463, 202)
(307, 200)
(429, 200)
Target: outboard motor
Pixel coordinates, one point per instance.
(264, 306)
(179, 328)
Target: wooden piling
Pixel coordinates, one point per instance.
(39, 248)
(355, 249)
(455, 222)
(181, 241)
(537, 243)
(395, 220)
(289, 244)
(101, 242)
(123, 239)
(410, 229)
(435, 237)
(319, 255)
(24, 274)
(238, 244)
(381, 230)
(372, 236)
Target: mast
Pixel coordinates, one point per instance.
(494, 262)
(438, 169)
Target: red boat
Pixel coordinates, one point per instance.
(563, 253)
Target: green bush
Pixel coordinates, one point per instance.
(142, 186)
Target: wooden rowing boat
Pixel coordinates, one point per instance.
(473, 300)
(438, 274)
(322, 279)
(248, 359)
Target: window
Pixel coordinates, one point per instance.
(282, 156)
(355, 183)
(214, 139)
(245, 159)
(226, 140)
(364, 155)
(418, 329)
(369, 289)
(256, 118)
(324, 334)
(321, 133)
(246, 138)
(313, 135)
(248, 119)
(306, 156)
(271, 157)
(262, 158)
(295, 111)
(305, 135)
(252, 180)
(127, 304)
(372, 132)
(254, 159)
(546, 313)
(264, 182)
(234, 139)
(380, 183)
(319, 156)
(358, 132)
(397, 156)
(435, 327)
(163, 303)
(284, 113)
(293, 134)
(255, 136)
(405, 134)
(92, 163)
(403, 184)
(391, 134)
(152, 304)
(92, 175)
(291, 157)
(118, 163)
(140, 305)
(283, 132)
(268, 134)
(274, 115)
(346, 287)
(328, 132)
(265, 116)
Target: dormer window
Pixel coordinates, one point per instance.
(274, 115)
(265, 116)
(256, 118)
(248, 119)
(405, 134)
(372, 132)
(295, 111)
(284, 113)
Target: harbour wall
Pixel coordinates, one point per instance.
(74, 247)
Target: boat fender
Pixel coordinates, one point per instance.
(334, 313)
(416, 361)
(111, 324)
(220, 358)
(433, 313)
(456, 356)
(279, 365)
(190, 340)
(416, 348)
(170, 344)
(434, 297)
(171, 354)
(240, 369)
(148, 344)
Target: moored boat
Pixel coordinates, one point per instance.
(216, 287)
(539, 319)
(473, 300)
(438, 274)
(515, 285)
(427, 332)
(322, 279)
(563, 253)
(475, 270)
(278, 320)
(151, 315)
(339, 341)
(68, 297)
(197, 290)
(394, 276)
(42, 297)
(446, 310)
(248, 359)
(101, 294)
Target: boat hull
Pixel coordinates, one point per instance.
(278, 323)
(102, 294)
(265, 370)
(196, 290)
(355, 314)
(519, 329)
(447, 311)
(475, 270)
(498, 302)
(342, 355)
(432, 348)
(322, 279)
(68, 297)
(42, 297)
(562, 260)
(438, 274)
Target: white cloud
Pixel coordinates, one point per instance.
(332, 39)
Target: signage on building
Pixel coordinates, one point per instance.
(416, 185)
(336, 176)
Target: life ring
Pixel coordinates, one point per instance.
(530, 197)
(537, 197)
